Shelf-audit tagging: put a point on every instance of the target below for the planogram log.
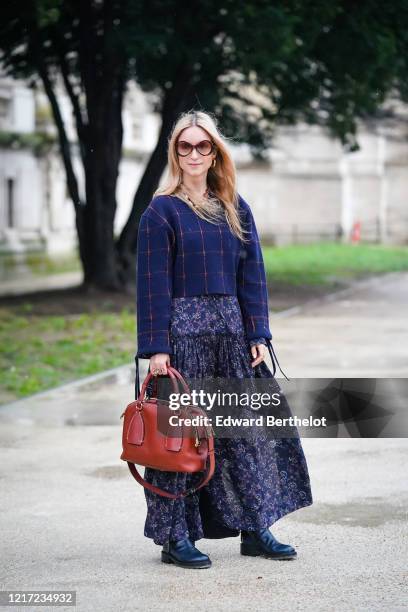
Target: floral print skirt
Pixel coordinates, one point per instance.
(256, 481)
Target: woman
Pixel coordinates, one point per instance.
(202, 307)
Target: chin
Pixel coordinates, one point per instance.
(193, 173)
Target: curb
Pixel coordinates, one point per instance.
(104, 376)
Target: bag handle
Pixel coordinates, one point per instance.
(137, 379)
(174, 376)
(175, 373)
(138, 391)
(162, 492)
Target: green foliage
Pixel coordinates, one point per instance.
(37, 353)
(41, 264)
(39, 142)
(322, 263)
(327, 63)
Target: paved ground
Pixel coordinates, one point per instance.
(359, 333)
(72, 518)
(32, 284)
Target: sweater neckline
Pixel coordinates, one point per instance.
(224, 222)
(177, 197)
(184, 202)
(181, 200)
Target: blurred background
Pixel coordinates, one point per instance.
(313, 99)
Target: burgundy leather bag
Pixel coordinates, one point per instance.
(149, 439)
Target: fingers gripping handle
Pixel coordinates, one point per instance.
(173, 374)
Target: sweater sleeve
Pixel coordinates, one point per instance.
(256, 341)
(154, 283)
(251, 280)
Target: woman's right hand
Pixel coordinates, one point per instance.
(158, 364)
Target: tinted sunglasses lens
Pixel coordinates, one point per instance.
(184, 148)
(204, 147)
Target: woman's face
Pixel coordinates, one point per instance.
(196, 162)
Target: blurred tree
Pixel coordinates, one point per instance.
(78, 43)
(254, 64)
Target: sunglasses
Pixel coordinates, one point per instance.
(184, 148)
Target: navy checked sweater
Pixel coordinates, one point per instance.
(179, 255)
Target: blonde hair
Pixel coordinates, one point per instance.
(221, 179)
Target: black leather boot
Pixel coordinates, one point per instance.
(263, 544)
(184, 554)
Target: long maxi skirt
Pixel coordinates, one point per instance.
(256, 482)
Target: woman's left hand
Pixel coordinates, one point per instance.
(258, 353)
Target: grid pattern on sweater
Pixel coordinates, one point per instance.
(179, 254)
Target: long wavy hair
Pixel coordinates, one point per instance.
(221, 178)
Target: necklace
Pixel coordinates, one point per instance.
(186, 195)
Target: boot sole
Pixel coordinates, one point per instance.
(166, 558)
(250, 551)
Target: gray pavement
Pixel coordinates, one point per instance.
(361, 332)
(24, 284)
(72, 517)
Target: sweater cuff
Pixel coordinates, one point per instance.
(147, 352)
(259, 333)
(257, 341)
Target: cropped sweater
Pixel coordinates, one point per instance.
(179, 255)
